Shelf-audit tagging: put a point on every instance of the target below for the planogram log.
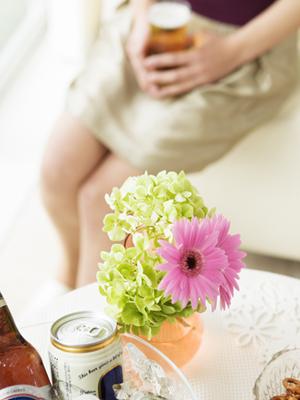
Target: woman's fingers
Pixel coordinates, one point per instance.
(141, 74)
(175, 89)
(172, 76)
(169, 60)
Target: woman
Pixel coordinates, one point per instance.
(129, 112)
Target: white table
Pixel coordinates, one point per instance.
(264, 318)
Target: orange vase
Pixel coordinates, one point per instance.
(181, 340)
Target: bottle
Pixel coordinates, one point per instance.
(22, 374)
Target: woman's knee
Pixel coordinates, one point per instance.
(91, 196)
(71, 156)
(91, 203)
(51, 174)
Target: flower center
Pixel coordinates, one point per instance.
(191, 262)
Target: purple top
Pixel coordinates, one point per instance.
(236, 12)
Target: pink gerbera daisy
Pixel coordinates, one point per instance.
(194, 263)
(230, 245)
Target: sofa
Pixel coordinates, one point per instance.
(257, 185)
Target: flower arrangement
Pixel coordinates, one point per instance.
(176, 257)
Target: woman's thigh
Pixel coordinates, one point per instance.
(71, 155)
(113, 171)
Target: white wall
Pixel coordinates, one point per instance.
(11, 13)
(73, 25)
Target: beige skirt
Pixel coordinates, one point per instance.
(182, 133)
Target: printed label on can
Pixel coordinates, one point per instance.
(25, 392)
(86, 375)
(110, 378)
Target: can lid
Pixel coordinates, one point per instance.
(83, 329)
(169, 14)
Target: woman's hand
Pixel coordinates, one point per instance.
(173, 74)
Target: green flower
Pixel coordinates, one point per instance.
(145, 207)
(152, 203)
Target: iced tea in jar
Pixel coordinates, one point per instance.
(169, 26)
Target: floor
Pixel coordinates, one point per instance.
(29, 250)
(272, 264)
(27, 112)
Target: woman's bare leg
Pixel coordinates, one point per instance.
(72, 154)
(92, 209)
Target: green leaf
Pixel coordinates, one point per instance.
(102, 291)
(168, 309)
(171, 319)
(155, 307)
(146, 331)
(135, 330)
(155, 330)
(132, 316)
(211, 212)
(140, 304)
(145, 291)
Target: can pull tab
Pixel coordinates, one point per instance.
(96, 331)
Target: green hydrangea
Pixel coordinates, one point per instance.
(145, 207)
(152, 202)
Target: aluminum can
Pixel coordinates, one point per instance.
(86, 355)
